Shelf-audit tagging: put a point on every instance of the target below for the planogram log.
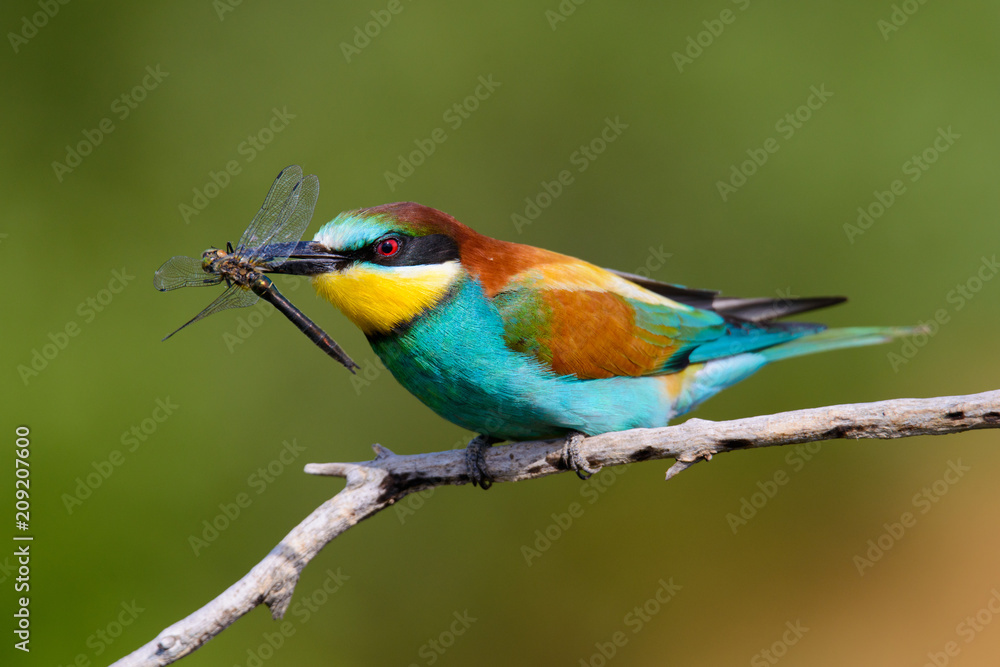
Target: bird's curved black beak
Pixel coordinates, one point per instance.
(306, 258)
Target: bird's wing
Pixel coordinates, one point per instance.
(581, 320)
(751, 310)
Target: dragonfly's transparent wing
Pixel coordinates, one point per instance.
(234, 297)
(182, 271)
(269, 215)
(290, 229)
(293, 218)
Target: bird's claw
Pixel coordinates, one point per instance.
(573, 460)
(475, 460)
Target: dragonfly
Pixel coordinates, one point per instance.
(274, 231)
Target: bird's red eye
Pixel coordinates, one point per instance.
(387, 247)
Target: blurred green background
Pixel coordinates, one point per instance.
(203, 82)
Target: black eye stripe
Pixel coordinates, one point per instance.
(413, 250)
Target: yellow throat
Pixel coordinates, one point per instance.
(379, 298)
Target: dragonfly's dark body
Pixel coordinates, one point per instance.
(278, 225)
(227, 264)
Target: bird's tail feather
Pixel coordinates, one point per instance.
(833, 339)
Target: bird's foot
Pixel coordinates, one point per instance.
(475, 460)
(572, 459)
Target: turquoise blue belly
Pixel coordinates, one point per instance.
(454, 359)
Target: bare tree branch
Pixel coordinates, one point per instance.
(374, 485)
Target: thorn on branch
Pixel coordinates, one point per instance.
(685, 462)
(382, 452)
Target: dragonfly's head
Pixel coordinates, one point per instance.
(210, 257)
(381, 266)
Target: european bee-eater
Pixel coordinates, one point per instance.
(514, 342)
